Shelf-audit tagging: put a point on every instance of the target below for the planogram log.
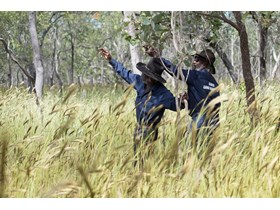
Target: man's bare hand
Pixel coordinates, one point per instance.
(184, 96)
(105, 54)
(151, 51)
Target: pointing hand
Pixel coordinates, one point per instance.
(105, 54)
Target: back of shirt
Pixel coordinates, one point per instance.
(200, 84)
(150, 106)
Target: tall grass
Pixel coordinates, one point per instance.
(79, 144)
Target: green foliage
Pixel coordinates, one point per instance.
(14, 29)
(90, 30)
(151, 27)
(216, 25)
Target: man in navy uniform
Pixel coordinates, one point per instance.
(200, 83)
(152, 97)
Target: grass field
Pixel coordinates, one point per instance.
(80, 145)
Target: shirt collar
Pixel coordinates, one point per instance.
(205, 70)
(154, 88)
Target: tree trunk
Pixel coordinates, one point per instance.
(246, 65)
(263, 25)
(51, 82)
(263, 33)
(102, 73)
(276, 66)
(32, 72)
(134, 50)
(91, 80)
(225, 60)
(10, 72)
(56, 61)
(60, 83)
(37, 60)
(17, 78)
(71, 70)
(6, 47)
(79, 81)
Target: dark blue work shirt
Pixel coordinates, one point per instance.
(150, 105)
(200, 83)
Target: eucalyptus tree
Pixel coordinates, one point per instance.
(238, 24)
(107, 31)
(47, 27)
(37, 44)
(129, 18)
(274, 51)
(187, 32)
(55, 61)
(97, 29)
(218, 36)
(37, 60)
(10, 55)
(150, 28)
(203, 33)
(74, 32)
(15, 39)
(68, 42)
(264, 21)
(270, 20)
(70, 29)
(246, 64)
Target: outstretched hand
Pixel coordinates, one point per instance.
(105, 54)
(184, 96)
(151, 51)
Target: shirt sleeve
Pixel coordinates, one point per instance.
(126, 74)
(169, 102)
(188, 75)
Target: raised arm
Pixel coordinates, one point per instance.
(169, 101)
(127, 75)
(170, 67)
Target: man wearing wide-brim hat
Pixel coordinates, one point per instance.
(152, 96)
(202, 87)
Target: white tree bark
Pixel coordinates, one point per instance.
(56, 59)
(276, 66)
(37, 60)
(134, 50)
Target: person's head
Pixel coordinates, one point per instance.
(147, 80)
(205, 59)
(151, 72)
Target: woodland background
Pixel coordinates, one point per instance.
(66, 120)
